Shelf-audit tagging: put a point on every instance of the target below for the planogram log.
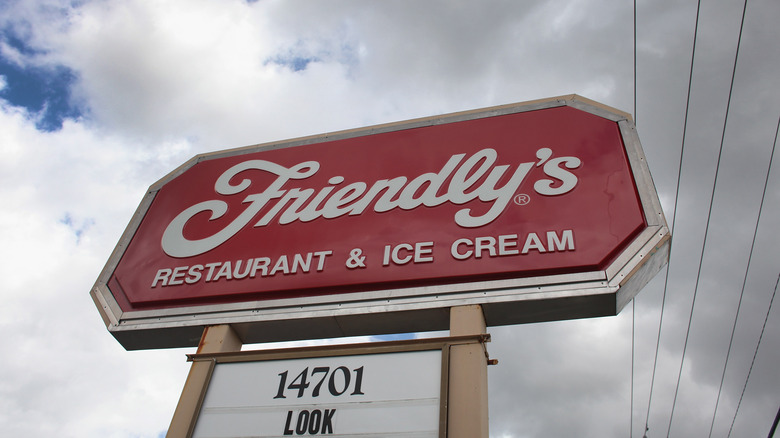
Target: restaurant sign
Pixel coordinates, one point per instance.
(537, 211)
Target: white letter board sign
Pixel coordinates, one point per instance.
(354, 392)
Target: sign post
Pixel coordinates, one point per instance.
(468, 394)
(216, 339)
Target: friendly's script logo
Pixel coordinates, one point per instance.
(429, 189)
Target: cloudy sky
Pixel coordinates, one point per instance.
(99, 99)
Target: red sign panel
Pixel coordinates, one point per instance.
(525, 194)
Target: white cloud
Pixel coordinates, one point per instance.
(11, 54)
(55, 240)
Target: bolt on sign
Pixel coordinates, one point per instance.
(537, 211)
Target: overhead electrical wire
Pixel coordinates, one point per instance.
(703, 245)
(769, 308)
(709, 217)
(744, 280)
(777, 416)
(633, 301)
(631, 409)
(674, 218)
(755, 353)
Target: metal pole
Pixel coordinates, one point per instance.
(468, 400)
(215, 339)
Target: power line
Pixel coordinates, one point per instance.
(633, 325)
(674, 218)
(634, 62)
(709, 216)
(744, 280)
(633, 301)
(750, 370)
(769, 309)
(774, 425)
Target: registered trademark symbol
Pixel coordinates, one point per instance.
(522, 199)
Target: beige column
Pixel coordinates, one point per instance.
(468, 399)
(215, 339)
